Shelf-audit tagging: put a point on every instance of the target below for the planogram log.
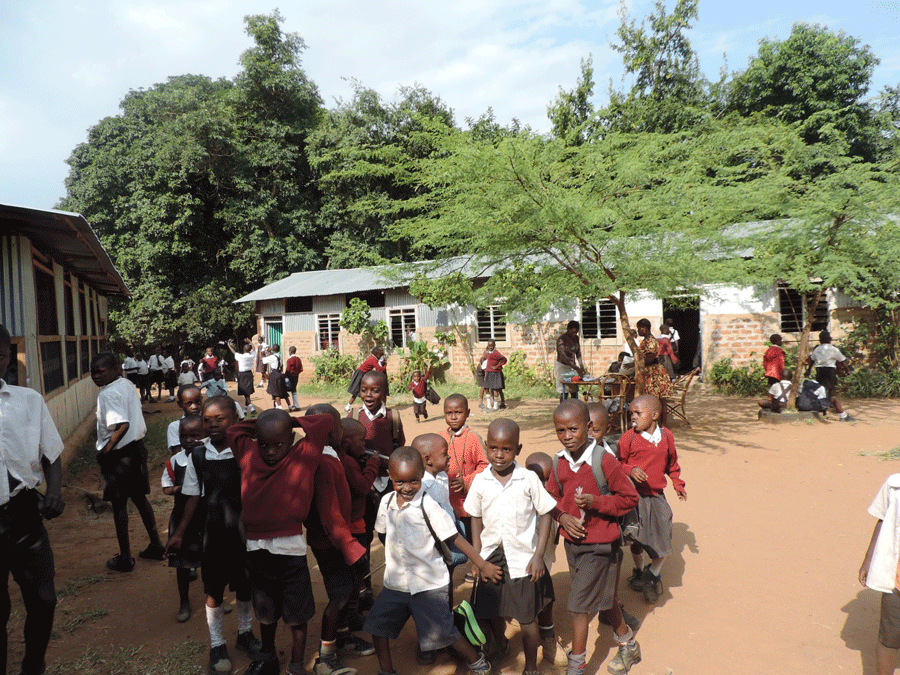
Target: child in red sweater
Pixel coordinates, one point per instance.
(375, 361)
(647, 453)
(493, 376)
(773, 360)
(339, 573)
(587, 519)
(418, 386)
(279, 478)
(292, 369)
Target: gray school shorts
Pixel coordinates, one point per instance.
(889, 628)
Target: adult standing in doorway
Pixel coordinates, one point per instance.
(568, 358)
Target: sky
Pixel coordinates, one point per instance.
(64, 66)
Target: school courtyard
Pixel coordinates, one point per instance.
(763, 577)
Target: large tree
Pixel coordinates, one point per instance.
(200, 190)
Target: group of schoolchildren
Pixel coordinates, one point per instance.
(252, 498)
(816, 394)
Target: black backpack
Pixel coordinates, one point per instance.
(807, 399)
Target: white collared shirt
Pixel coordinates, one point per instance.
(509, 514)
(437, 491)
(655, 437)
(173, 435)
(413, 562)
(882, 574)
(191, 486)
(584, 459)
(245, 361)
(27, 433)
(826, 355)
(118, 402)
(382, 412)
(156, 362)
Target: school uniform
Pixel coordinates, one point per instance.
(380, 438)
(493, 370)
(124, 468)
(207, 365)
(773, 363)
(27, 435)
(245, 373)
(224, 547)
(467, 458)
(416, 580)
(215, 387)
(276, 387)
(292, 369)
(155, 364)
(170, 375)
(882, 575)
(418, 389)
(825, 357)
(189, 555)
(594, 559)
(509, 538)
(656, 454)
(370, 363)
(143, 375)
(130, 368)
(186, 378)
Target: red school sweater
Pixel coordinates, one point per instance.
(360, 479)
(467, 458)
(599, 520)
(371, 363)
(495, 362)
(418, 388)
(328, 525)
(293, 366)
(656, 461)
(276, 499)
(380, 432)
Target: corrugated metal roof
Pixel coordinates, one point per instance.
(70, 241)
(341, 282)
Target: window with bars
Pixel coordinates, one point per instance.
(329, 328)
(72, 360)
(792, 307)
(491, 324)
(598, 319)
(52, 365)
(85, 355)
(82, 307)
(402, 321)
(45, 291)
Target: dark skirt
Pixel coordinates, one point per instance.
(493, 381)
(479, 377)
(191, 550)
(124, 472)
(355, 381)
(245, 383)
(594, 570)
(276, 388)
(656, 525)
(520, 599)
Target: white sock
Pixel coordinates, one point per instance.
(843, 414)
(215, 617)
(655, 567)
(245, 615)
(625, 639)
(296, 399)
(489, 402)
(251, 408)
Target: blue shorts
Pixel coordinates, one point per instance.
(429, 609)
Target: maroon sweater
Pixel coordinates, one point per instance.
(599, 520)
(276, 499)
(495, 362)
(360, 479)
(328, 524)
(656, 461)
(380, 432)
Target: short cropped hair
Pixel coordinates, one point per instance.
(572, 324)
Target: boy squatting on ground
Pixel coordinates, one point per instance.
(416, 580)
(510, 528)
(778, 393)
(280, 478)
(592, 535)
(213, 475)
(647, 453)
(122, 457)
(28, 440)
(880, 571)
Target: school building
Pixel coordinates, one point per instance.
(304, 310)
(55, 281)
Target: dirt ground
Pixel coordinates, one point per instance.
(763, 578)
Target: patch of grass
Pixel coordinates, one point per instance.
(73, 623)
(891, 455)
(72, 586)
(180, 659)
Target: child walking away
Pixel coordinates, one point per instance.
(375, 361)
(122, 457)
(332, 504)
(417, 386)
(244, 373)
(190, 433)
(829, 362)
(276, 387)
(31, 447)
(514, 544)
(778, 393)
(773, 361)
(467, 456)
(493, 376)
(292, 369)
(586, 513)
(279, 478)
(213, 473)
(879, 570)
(416, 580)
(647, 453)
(143, 376)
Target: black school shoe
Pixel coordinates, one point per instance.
(266, 665)
(119, 563)
(653, 587)
(248, 643)
(153, 552)
(636, 580)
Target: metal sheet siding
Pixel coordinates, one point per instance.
(298, 323)
(328, 304)
(269, 307)
(397, 297)
(12, 298)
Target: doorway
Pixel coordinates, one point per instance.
(684, 311)
(273, 332)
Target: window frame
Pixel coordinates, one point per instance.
(497, 319)
(334, 331)
(606, 328)
(401, 312)
(790, 317)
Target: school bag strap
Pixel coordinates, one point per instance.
(446, 554)
(395, 428)
(198, 457)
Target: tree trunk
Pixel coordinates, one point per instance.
(640, 367)
(804, 347)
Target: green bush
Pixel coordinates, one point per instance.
(334, 368)
(870, 383)
(747, 381)
(518, 371)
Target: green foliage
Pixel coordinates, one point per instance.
(423, 358)
(747, 381)
(356, 319)
(879, 338)
(571, 113)
(870, 383)
(518, 371)
(332, 367)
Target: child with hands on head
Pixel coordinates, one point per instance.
(647, 454)
(587, 517)
(515, 544)
(416, 580)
